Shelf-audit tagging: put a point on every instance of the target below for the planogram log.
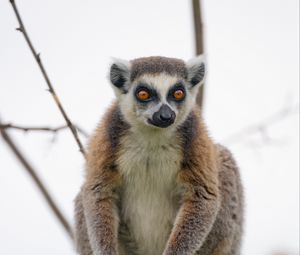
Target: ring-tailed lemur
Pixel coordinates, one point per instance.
(155, 182)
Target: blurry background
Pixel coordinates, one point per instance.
(252, 49)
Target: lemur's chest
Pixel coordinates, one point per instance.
(149, 203)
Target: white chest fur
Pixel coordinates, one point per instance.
(148, 204)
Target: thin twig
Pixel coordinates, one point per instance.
(46, 77)
(41, 128)
(199, 42)
(41, 186)
(262, 126)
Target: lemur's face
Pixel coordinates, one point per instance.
(156, 92)
(158, 100)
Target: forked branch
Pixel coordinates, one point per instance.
(33, 174)
(41, 128)
(37, 57)
(262, 126)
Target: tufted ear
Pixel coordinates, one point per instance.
(196, 70)
(119, 74)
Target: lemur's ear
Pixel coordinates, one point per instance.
(196, 70)
(119, 74)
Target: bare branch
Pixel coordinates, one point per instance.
(199, 42)
(262, 127)
(41, 186)
(37, 57)
(42, 128)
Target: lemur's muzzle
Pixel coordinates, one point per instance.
(164, 117)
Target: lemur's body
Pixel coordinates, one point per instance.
(158, 186)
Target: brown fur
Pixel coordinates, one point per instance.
(209, 221)
(155, 65)
(98, 196)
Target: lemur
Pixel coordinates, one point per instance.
(155, 182)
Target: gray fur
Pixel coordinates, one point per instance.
(81, 238)
(156, 65)
(229, 221)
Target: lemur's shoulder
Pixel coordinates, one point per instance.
(227, 162)
(199, 164)
(196, 140)
(225, 155)
(105, 142)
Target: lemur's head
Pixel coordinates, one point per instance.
(157, 92)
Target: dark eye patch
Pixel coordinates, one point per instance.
(177, 86)
(145, 87)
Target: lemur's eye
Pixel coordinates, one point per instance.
(143, 95)
(178, 94)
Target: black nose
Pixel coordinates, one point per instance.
(164, 117)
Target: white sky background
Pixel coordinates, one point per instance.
(252, 52)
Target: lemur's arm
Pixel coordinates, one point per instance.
(192, 225)
(101, 219)
(100, 191)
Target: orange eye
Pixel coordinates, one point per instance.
(178, 94)
(143, 95)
